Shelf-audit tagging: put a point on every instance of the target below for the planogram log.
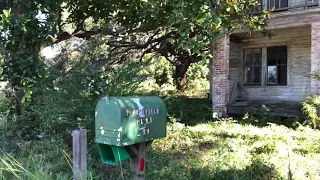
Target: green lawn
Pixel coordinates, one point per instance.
(215, 150)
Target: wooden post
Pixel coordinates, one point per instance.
(79, 154)
(137, 162)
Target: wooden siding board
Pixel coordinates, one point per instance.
(235, 64)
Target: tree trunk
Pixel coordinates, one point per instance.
(180, 75)
(182, 83)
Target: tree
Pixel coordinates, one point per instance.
(181, 31)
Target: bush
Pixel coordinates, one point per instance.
(198, 81)
(65, 99)
(311, 108)
(70, 103)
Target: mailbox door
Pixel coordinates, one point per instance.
(108, 122)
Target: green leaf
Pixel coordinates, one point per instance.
(236, 8)
(6, 12)
(216, 19)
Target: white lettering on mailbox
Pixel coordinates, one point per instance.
(141, 111)
(142, 121)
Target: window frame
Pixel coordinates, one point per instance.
(264, 69)
(277, 64)
(269, 5)
(244, 66)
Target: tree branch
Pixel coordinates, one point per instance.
(135, 45)
(77, 33)
(148, 50)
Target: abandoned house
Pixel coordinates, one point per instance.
(253, 70)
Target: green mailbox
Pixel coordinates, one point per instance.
(124, 121)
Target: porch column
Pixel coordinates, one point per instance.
(220, 76)
(315, 57)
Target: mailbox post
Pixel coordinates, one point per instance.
(125, 128)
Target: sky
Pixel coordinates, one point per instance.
(48, 52)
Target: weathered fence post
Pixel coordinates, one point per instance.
(79, 154)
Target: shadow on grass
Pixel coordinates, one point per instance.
(175, 165)
(264, 119)
(190, 111)
(193, 111)
(256, 171)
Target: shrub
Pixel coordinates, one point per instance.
(70, 104)
(198, 82)
(311, 107)
(65, 99)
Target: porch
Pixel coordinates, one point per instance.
(273, 108)
(256, 74)
(284, 5)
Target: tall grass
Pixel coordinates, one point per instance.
(212, 150)
(33, 167)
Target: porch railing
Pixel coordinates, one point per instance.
(282, 5)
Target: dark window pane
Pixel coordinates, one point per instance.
(249, 60)
(257, 75)
(248, 75)
(252, 66)
(282, 61)
(284, 3)
(277, 3)
(272, 54)
(272, 62)
(252, 75)
(282, 54)
(271, 3)
(277, 65)
(282, 74)
(272, 74)
(248, 57)
(257, 57)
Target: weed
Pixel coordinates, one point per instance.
(311, 107)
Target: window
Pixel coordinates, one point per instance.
(277, 65)
(252, 66)
(273, 70)
(277, 4)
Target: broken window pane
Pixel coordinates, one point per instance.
(272, 74)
